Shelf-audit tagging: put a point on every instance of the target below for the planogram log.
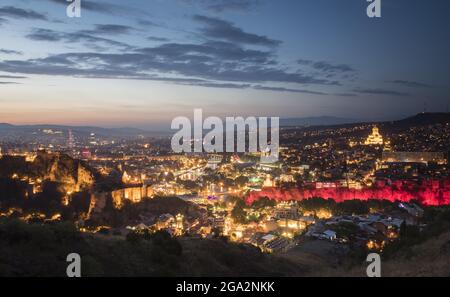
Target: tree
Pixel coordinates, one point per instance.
(350, 207)
(315, 204)
(163, 240)
(12, 193)
(241, 181)
(238, 213)
(134, 237)
(263, 202)
(345, 229)
(49, 200)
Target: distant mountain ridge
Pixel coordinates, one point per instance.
(425, 118)
(6, 128)
(421, 119)
(316, 121)
(309, 122)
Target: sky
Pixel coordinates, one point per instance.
(140, 63)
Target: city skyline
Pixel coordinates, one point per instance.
(143, 64)
(224, 146)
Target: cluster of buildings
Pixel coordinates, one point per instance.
(174, 225)
(346, 161)
(372, 231)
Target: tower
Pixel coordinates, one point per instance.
(179, 221)
(70, 140)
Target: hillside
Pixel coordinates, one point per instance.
(8, 130)
(425, 118)
(72, 174)
(160, 255)
(156, 256)
(428, 259)
(134, 213)
(431, 258)
(421, 119)
(315, 121)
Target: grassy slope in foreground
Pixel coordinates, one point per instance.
(41, 250)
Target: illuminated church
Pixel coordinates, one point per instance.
(268, 182)
(375, 138)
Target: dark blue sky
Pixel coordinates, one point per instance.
(141, 63)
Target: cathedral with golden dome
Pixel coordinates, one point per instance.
(375, 138)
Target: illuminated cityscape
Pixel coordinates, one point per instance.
(112, 187)
(90, 117)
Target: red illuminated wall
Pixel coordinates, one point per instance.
(429, 192)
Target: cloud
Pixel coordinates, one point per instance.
(345, 94)
(12, 76)
(146, 23)
(210, 84)
(222, 61)
(411, 84)
(41, 34)
(223, 30)
(10, 52)
(379, 92)
(19, 13)
(218, 85)
(326, 67)
(208, 52)
(280, 89)
(154, 38)
(229, 5)
(9, 83)
(109, 29)
(217, 61)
